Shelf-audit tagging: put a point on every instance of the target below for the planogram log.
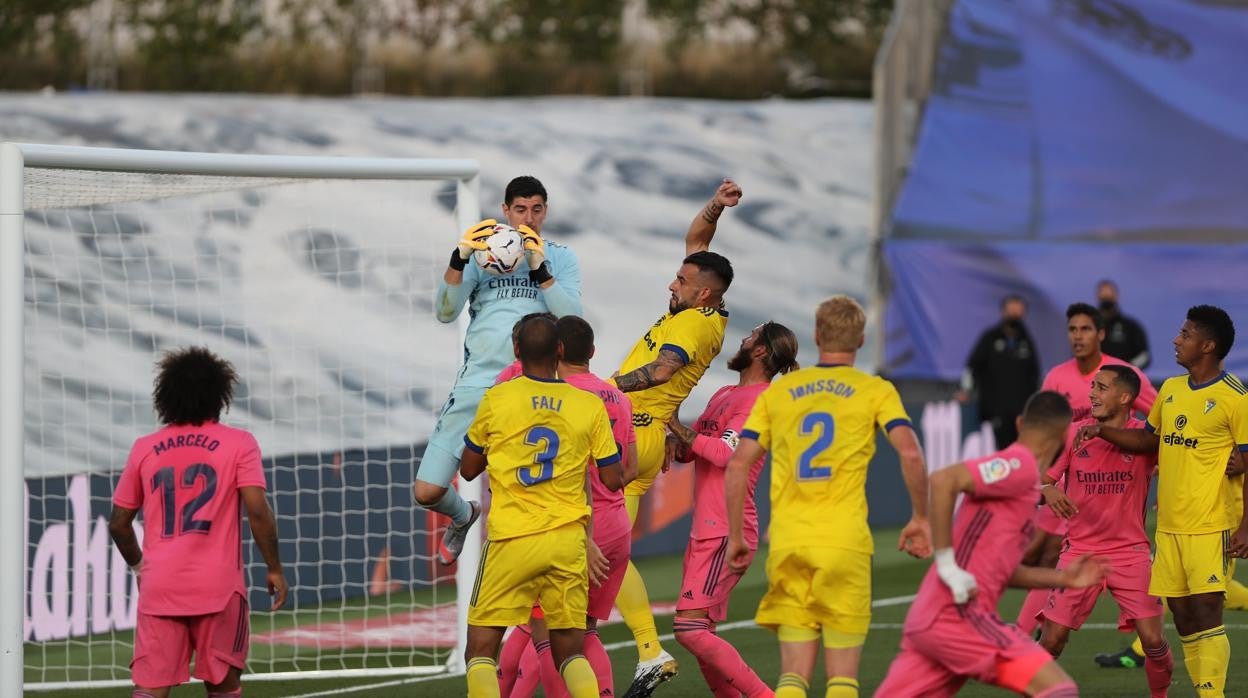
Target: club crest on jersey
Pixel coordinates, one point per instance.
(1209, 404)
(997, 469)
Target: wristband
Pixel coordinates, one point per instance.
(540, 275)
(457, 263)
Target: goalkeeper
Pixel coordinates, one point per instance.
(552, 282)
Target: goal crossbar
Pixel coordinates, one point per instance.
(15, 158)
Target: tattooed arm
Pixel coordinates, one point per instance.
(702, 229)
(656, 372)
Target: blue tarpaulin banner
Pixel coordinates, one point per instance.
(1067, 141)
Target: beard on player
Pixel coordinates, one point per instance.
(741, 360)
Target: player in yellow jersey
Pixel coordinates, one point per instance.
(658, 373)
(1197, 423)
(535, 435)
(819, 424)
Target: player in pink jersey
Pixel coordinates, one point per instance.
(770, 349)
(188, 479)
(609, 543)
(1104, 499)
(1085, 328)
(952, 632)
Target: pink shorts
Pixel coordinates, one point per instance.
(163, 646)
(1051, 523)
(707, 580)
(938, 660)
(1128, 584)
(602, 597)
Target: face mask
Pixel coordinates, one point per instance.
(1109, 306)
(1013, 324)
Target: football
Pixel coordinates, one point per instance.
(504, 250)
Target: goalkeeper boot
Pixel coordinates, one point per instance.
(453, 540)
(650, 674)
(1126, 659)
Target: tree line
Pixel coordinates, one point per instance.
(701, 48)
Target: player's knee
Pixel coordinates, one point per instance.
(427, 494)
(1053, 644)
(691, 631)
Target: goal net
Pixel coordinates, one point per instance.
(315, 277)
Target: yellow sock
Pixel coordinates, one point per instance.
(791, 686)
(1137, 646)
(579, 677)
(633, 602)
(1207, 655)
(482, 678)
(1236, 596)
(841, 687)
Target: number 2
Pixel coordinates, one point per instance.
(549, 442)
(827, 429)
(165, 481)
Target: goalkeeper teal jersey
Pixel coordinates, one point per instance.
(495, 303)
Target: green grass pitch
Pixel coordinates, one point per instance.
(895, 576)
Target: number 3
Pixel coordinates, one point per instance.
(806, 471)
(549, 441)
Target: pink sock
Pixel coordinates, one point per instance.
(596, 654)
(1062, 690)
(509, 658)
(1159, 665)
(141, 693)
(695, 635)
(236, 693)
(717, 682)
(552, 681)
(1036, 599)
(527, 675)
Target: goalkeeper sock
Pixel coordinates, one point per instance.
(841, 687)
(453, 506)
(509, 658)
(578, 677)
(482, 678)
(696, 635)
(1159, 667)
(1033, 604)
(1207, 655)
(600, 662)
(634, 605)
(792, 686)
(552, 682)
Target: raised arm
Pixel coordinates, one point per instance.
(452, 293)
(562, 291)
(657, 372)
(916, 535)
(264, 531)
(702, 229)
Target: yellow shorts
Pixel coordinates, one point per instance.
(1187, 564)
(650, 443)
(817, 588)
(548, 567)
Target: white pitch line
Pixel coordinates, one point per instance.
(735, 625)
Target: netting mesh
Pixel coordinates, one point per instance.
(320, 293)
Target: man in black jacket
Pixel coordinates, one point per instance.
(1124, 336)
(1004, 370)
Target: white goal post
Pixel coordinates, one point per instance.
(16, 162)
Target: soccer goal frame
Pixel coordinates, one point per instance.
(15, 158)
